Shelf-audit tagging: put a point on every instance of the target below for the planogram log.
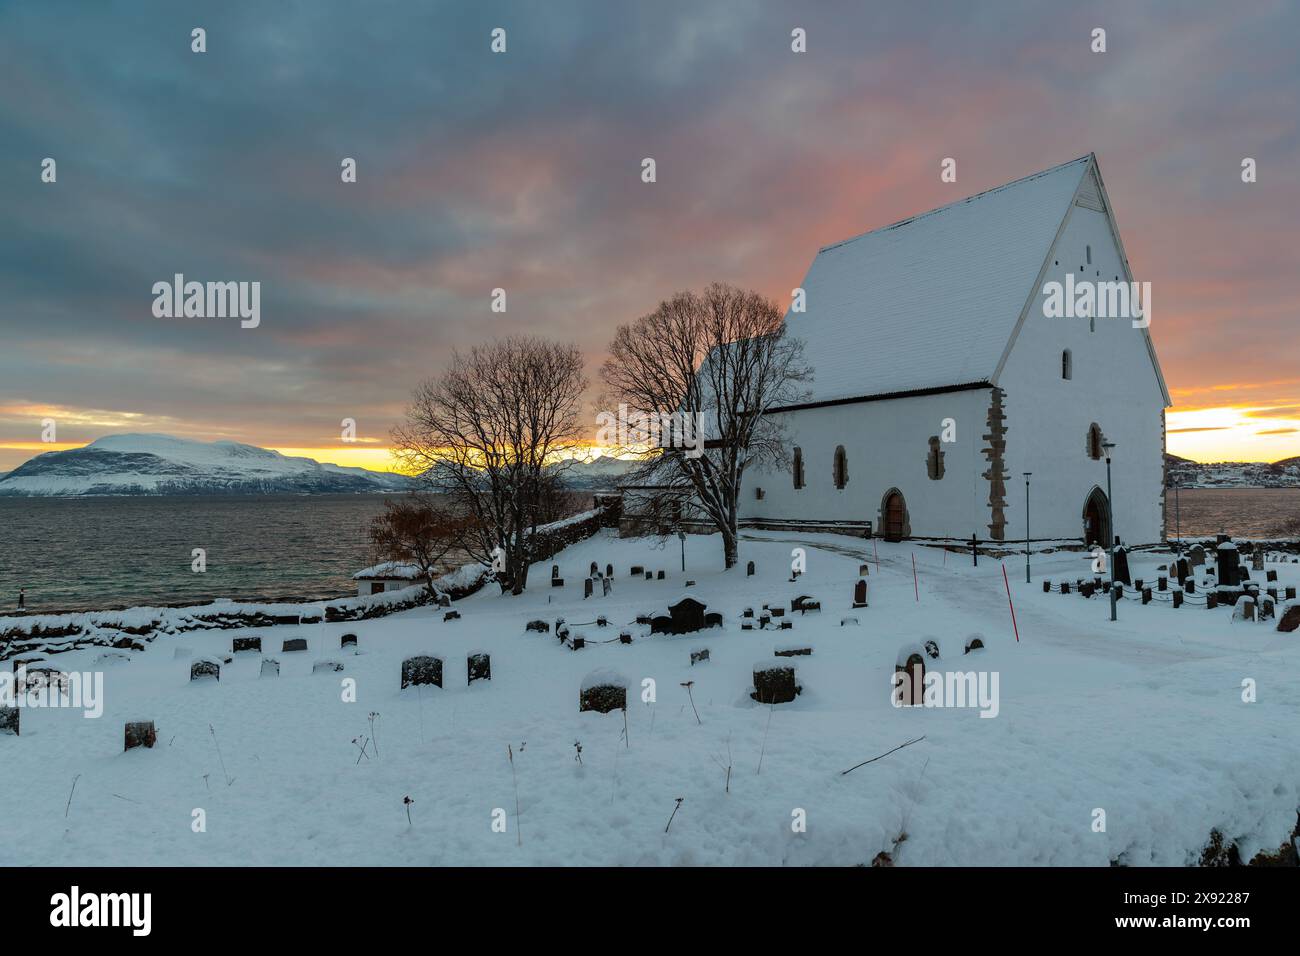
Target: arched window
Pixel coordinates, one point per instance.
(934, 459)
(841, 470)
(1095, 440)
(798, 468)
(1067, 365)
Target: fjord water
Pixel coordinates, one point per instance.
(86, 553)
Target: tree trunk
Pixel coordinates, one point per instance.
(730, 548)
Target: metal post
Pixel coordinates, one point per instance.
(1027, 474)
(1110, 520)
(1178, 524)
(682, 535)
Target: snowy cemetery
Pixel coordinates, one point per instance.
(829, 700)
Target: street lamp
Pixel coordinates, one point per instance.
(1178, 524)
(681, 536)
(1110, 525)
(1027, 474)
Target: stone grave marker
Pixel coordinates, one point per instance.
(270, 667)
(246, 644)
(140, 733)
(602, 691)
(422, 669)
(478, 667)
(775, 683)
(294, 644)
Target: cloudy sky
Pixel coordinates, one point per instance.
(522, 171)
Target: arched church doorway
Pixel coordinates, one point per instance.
(1096, 519)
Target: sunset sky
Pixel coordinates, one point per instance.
(522, 171)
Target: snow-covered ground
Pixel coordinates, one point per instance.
(1143, 719)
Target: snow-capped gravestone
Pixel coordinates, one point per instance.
(540, 626)
(347, 640)
(422, 669)
(700, 656)
(1184, 569)
(685, 616)
(478, 667)
(9, 719)
(1266, 609)
(774, 683)
(587, 587)
(294, 644)
(749, 569)
(204, 668)
(1195, 557)
(606, 585)
(1257, 560)
(1244, 610)
(556, 580)
(270, 667)
(602, 691)
(140, 733)
(327, 667)
(1228, 563)
(974, 642)
(246, 644)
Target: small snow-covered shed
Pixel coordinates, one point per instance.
(386, 576)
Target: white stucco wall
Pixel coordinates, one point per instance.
(1114, 384)
(886, 443)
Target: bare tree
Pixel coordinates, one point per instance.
(487, 433)
(714, 361)
(416, 530)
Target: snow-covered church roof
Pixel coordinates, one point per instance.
(932, 301)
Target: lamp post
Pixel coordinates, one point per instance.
(681, 535)
(1027, 474)
(1110, 526)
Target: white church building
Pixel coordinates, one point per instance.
(940, 377)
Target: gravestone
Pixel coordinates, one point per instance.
(578, 643)
(624, 637)
(844, 621)
(713, 619)
(246, 644)
(1121, 566)
(1257, 560)
(478, 667)
(974, 643)
(1243, 574)
(1190, 585)
(764, 620)
(294, 644)
(1119, 591)
(587, 586)
(541, 626)
(609, 570)
(270, 667)
(1290, 619)
(1087, 589)
(1267, 609)
(1184, 569)
(636, 571)
(347, 640)
(1047, 587)
(1137, 584)
(775, 684)
(698, 657)
(422, 669)
(606, 585)
(603, 691)
(327, 667)
(1146, 595)
(203, 668)
(687, 615)
(9, 719)
(787, 625)
(1162, 583)
(1290, 593)
(660, 575)
(1228, 563)
(860, 593)
(932, 649)
(910, 686)
(1244, 611)
(690, 584)
(864, 570)
(777, 611)
(792, 651)
(1211, 600)
(649, 575)
(451, 615)
(140, 733)
(594, 570)
(1270, 574)
(1065, 587)
(1178, 598)
(749, 569)
(748, 612)
(1196, 557)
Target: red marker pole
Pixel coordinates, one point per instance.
(1009, 604)
(915, 588)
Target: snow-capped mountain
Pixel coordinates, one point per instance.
(601, 473)
(166, 465)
